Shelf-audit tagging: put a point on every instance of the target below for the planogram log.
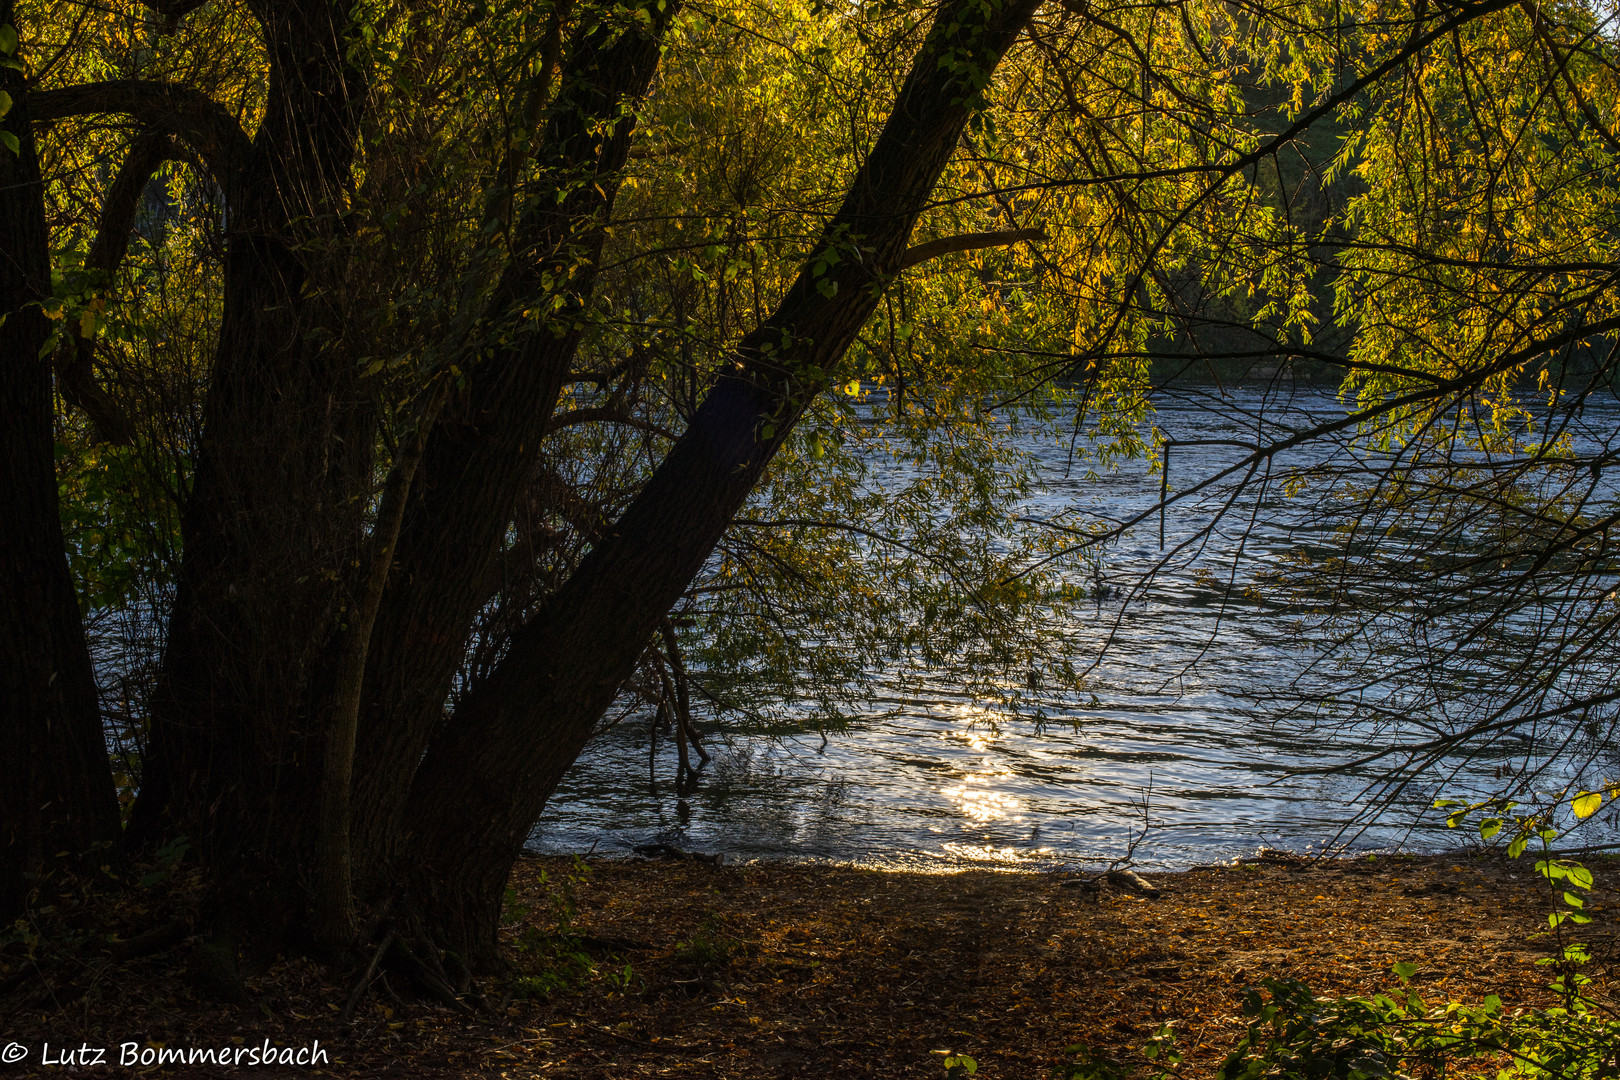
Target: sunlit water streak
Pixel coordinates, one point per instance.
(926, 779)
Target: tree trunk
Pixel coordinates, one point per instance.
(276, 516)
(486, 444)
(56, 787)
(487, 775)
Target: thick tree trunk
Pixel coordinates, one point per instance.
(276, 516)
(56, 787)
(485, 447)
(487, 774)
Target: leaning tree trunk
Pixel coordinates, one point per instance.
(56, 788)
(487, 773)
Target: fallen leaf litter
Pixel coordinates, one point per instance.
(776, 969)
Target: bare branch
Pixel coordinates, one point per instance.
(74, 371)
(949, 245)
(604, 416)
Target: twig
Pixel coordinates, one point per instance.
(366, 979)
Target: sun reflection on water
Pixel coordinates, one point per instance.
(980, 803)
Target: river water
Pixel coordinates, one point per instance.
(1166, 748)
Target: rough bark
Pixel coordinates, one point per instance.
(56, 787)
(276, 514)
(487, 774)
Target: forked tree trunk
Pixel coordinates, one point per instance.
(488, 773)
(56, 787)
(485, 447)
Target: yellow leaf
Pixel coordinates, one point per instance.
(87, 323)
(1586, 804)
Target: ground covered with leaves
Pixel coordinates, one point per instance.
(679, 967)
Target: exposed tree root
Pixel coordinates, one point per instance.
(366, 980)
(156, 940)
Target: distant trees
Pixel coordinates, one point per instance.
(433, 376)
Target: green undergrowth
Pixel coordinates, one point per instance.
(552, 958)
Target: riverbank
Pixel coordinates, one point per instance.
(683, 968)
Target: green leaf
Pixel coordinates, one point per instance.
(1586, 804)
(8, 40)
(5, 103)
(10, 142)
(1489, 827)
(1404, 971)
(1516, 848)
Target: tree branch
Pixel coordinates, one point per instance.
(75, 374)
(561, 420)
(190, 116)
(950, 245)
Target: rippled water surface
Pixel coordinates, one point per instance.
(929, 780)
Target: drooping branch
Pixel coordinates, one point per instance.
(189, 115)
(1560, 58)
(950, 245)
(686, 732)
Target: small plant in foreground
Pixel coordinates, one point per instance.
(556, 958)
(1294, 1035)
(708, 950)
(1088, 1064)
